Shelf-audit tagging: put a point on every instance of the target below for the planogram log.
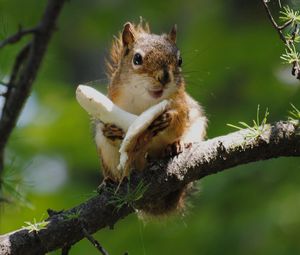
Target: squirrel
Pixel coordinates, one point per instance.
(144, 69)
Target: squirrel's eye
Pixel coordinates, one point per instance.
(179, 61)
(137, 59)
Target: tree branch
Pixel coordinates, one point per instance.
(165, 176)
(18, 36)
(275, 25)
(65, 250)
(25, 70)
(94, 242)
(289, 42)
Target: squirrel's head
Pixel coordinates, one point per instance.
(149, 64)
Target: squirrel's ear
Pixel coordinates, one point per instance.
(172, 34)
(127, 34)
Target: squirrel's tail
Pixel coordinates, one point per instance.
(173, 203)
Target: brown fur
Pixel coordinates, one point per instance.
(117, 48)
(131, 88)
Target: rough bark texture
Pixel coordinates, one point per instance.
(163, 177)
(25, 70)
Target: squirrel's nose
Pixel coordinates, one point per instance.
(163, 77)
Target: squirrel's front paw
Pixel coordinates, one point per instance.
(161, 123)
(113, 132)
(175, 148)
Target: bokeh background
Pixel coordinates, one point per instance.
(231, 61)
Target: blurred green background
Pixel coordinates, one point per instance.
(231, 61)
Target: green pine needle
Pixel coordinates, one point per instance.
(294, 113)
(35, 226)
(73, 215)
(258, 125)
(289, 14)
(130, 197)
(13, 187)
(291, 55)
(294, 38)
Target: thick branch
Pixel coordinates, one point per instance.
(25, 70)
(163, 177)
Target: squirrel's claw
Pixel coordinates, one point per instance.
(175, 148)
(161, 123)
(106, 182)
(113, 132)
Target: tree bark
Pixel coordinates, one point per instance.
(162, 177)
(25, 70)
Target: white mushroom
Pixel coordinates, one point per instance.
(101, 107)
(137, 128)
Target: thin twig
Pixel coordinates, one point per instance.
(295, 32)
(275, 25)
(18, 36)
(20, 59)
(285, 25)
(94, 242)
(289, 42)
(296, 70)
(65, 250)
(18, 62)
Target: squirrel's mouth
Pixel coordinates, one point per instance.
(156, 93)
